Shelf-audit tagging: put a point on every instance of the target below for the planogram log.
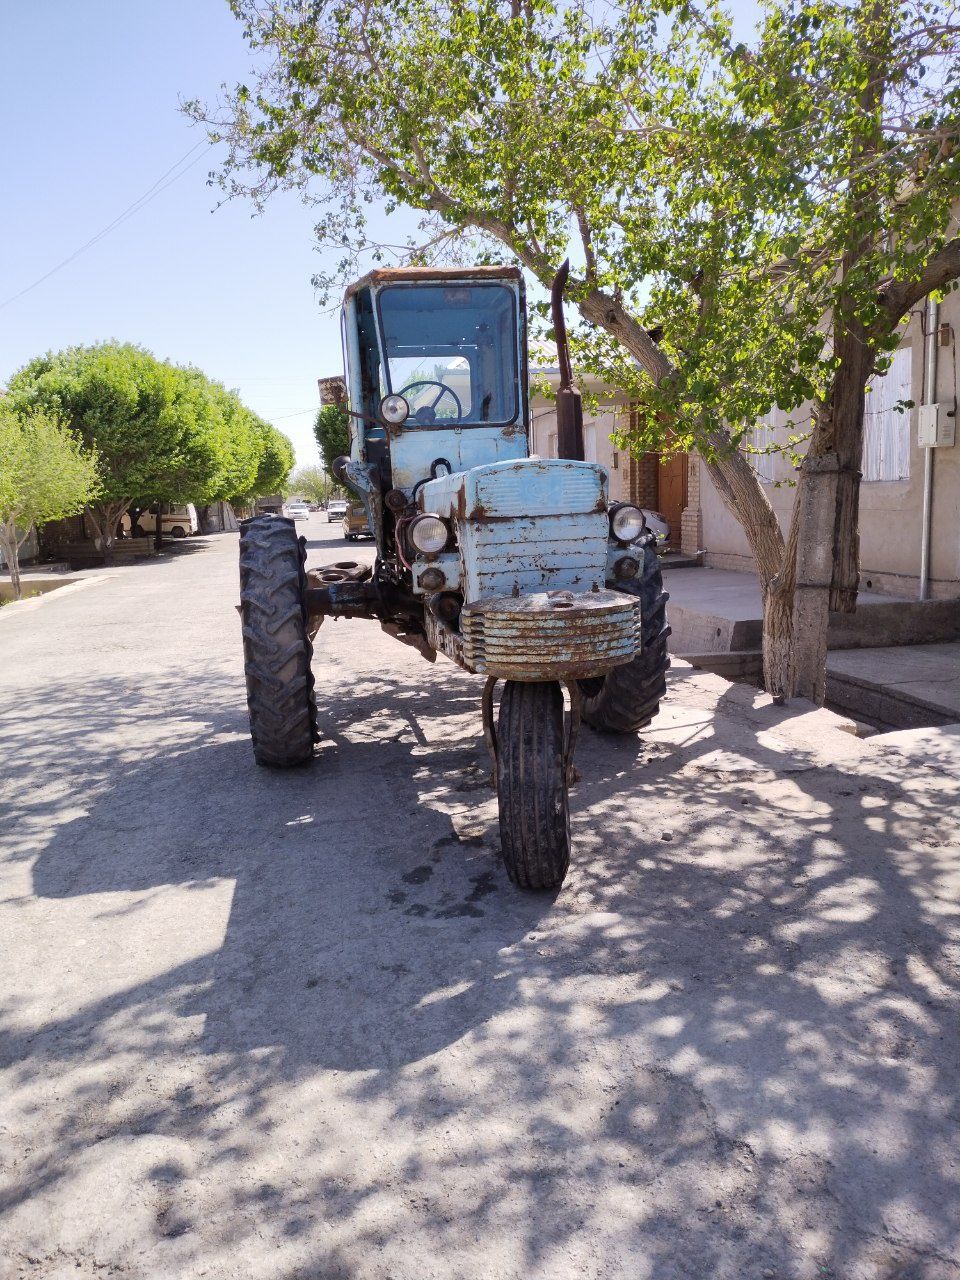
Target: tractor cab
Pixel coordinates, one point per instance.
(436, 371)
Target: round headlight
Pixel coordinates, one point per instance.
(394, 409)
(428, 534)
(627, 522)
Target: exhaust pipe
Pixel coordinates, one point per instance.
(569, 402)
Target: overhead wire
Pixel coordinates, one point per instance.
(141, 202)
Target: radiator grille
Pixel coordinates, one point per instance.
(551, 635)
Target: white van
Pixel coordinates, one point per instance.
(179, 521)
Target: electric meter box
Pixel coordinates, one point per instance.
(937, 426)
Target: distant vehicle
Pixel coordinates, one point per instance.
(657, 525)
(314, 506)
(177, 520)
(355, 523)
(336, 510)
(296, 510)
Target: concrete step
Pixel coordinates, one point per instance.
(908, 687)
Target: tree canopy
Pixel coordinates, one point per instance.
(161, 432)
(332, 432)
(45, 474)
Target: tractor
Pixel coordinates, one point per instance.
(515, 567)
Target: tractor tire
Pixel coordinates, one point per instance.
(276, 647)
(628, 697)
(532, 785)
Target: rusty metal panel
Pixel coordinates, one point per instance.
(412, 451)
(527, 525)
(511, 556)
(555, 635)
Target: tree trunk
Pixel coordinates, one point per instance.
(739, 489)
(11, 554)
(826, 514)
(105, 518)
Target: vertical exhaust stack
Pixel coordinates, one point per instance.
(569, 402)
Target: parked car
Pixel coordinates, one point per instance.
(657, 525)
(177, 520)
(296, 510)
(355, 523)
(336, 510)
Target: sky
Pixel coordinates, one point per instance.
(90, 122)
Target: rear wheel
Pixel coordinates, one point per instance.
(532, 785)
(178, 531)
(276, 647)
(628, 697)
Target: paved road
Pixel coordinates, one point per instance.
(270, 1025)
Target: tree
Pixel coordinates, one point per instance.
(741, 203)
(145, 419)
(45, 474)
(313, 482)
(276, 461)
(331, 427)
(161, 432)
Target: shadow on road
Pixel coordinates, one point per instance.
(737, 1024)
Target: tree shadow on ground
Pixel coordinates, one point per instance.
(728, 1048)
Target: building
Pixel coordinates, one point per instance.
(892, 487)
(657, 484)
(894, 465)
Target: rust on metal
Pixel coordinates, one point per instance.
(429, 275)
(555, 635)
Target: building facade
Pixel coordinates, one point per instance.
(892, 487)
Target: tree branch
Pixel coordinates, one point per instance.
(900, 295)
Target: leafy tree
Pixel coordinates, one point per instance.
(276, 461)
(45, 474)
(729, 205)
(162, 433)
(313, 482)
(331, 428)
(146, 419)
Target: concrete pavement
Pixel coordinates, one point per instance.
(279, 1025)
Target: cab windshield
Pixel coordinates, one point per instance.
(451, 351)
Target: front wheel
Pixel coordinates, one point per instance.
(532, 785)
(276, 646)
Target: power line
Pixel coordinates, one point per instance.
(141, 202)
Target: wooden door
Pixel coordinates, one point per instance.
(673, 493)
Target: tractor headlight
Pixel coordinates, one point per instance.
(429, 534)
(626, 522)
(394, 409)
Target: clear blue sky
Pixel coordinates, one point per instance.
(89, 121)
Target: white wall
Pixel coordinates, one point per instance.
(597, 429)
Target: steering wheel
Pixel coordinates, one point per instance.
(427, 413)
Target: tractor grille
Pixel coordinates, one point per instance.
(555, 635)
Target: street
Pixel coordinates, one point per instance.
(299, 1024)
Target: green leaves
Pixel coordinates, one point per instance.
(158, 431)
(45, 473)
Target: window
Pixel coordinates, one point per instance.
(886, 432)
(452, 351)
(590, 442)
(762, 437)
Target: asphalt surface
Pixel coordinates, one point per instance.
(275, 1025)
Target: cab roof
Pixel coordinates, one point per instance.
(431, 275)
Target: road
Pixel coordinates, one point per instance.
(275, 1025)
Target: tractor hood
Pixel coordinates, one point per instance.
(525, 526)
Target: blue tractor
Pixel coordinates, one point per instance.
(517, 568)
